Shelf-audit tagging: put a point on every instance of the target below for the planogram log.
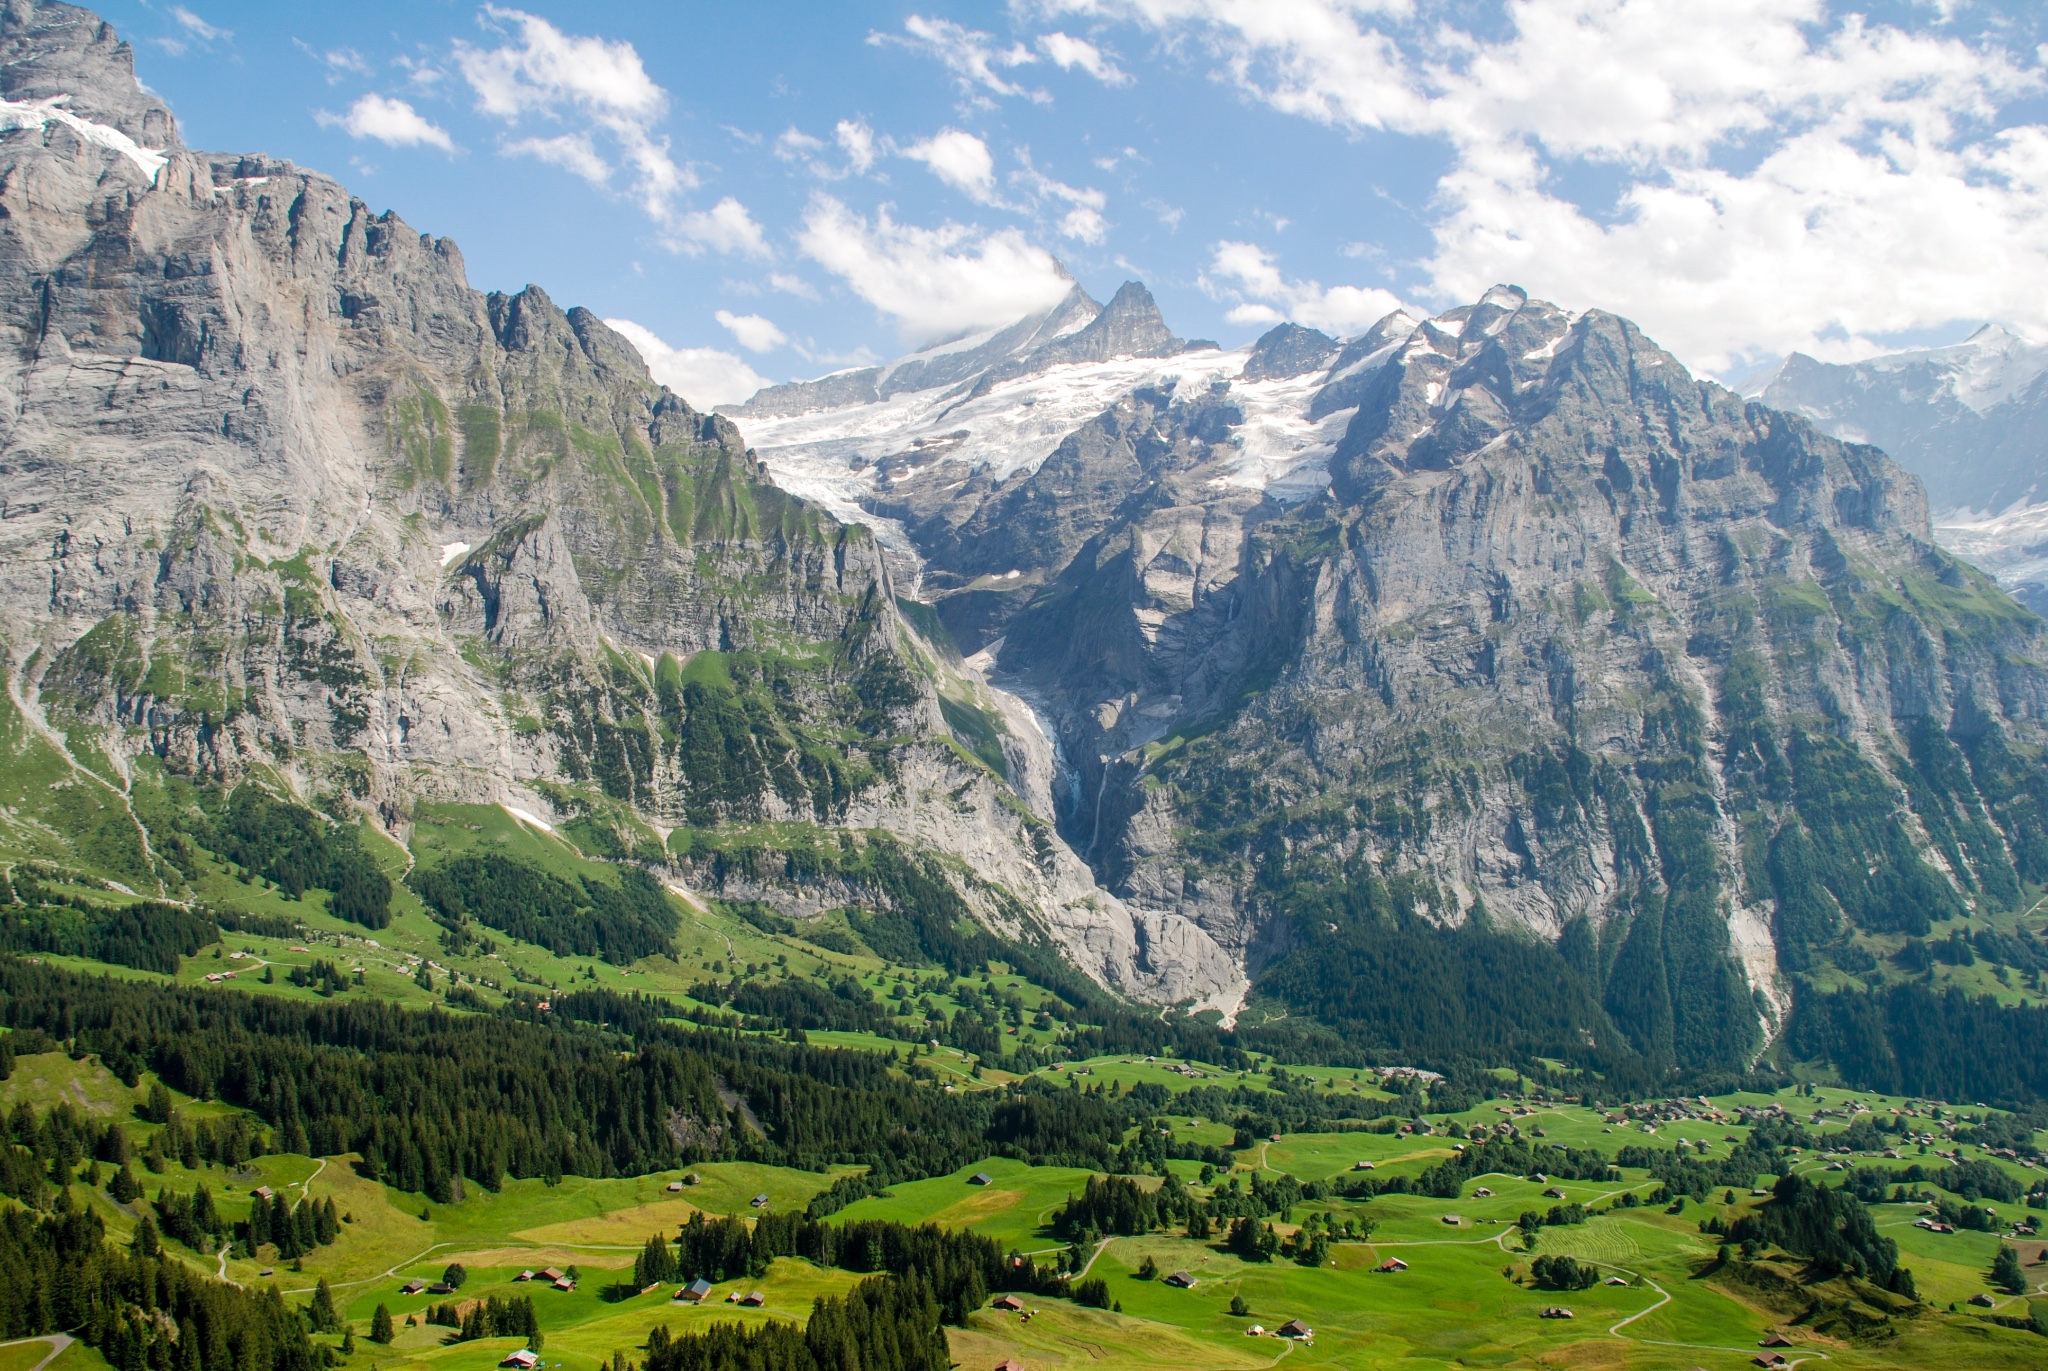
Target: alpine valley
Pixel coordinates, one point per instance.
(1297, 683)
(1074, 848)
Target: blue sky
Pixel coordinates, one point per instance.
(778, 189)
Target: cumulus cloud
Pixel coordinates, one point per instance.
(703, 376)
(1788, 171)
(972, 56)
(1247, 274)
(961, 160)
(389, 121)
(1068, 53)
(726, 228)
(752, 331)
(539, 72)
(857, 141)
(933, 282)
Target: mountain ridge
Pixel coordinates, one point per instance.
(289, 502)
(1967, 418)
(1518, 540)
(1485, 645)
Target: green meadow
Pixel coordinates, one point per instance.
(1666, 1297)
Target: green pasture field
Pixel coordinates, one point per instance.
(1466, 1296)
(1014, 1208)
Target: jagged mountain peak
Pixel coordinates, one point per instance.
(1288, 350)
(1075, 330)
(1466, 540)
(331, 520)
(1970, 419)
(62, 56)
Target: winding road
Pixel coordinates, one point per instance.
(58, 1342)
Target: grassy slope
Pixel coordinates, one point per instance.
(1458, 1299)
(1455, 1302)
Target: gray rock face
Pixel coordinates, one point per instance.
(48, 51)
(281, 494)
(1971, 421)
(1571, 640)
(1288, 350)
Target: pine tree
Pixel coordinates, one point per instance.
(380, 1325)
(322, 1313)
(655, 1264)
(2006, 1273)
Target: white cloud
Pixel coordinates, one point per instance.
(1788, 171)
(1246, 273)
(751, 331)
(703, 376)
(1085, 224)
(1083, 221)
(724, 228)
(934, 282)
(961, 160)
(340, 62)
(571, 152)
(389, 121)
(971, 55)
(1068, 53)
(792, 285)
(197, 27)
(857, 140)
(423, 74)
(793, 145)
(539, 72)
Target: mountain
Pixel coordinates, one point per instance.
(1479, 688)
(288, 503)
(1373, 658)
(1969, 420)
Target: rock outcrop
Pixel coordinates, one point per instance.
(1569, 641)
(283, 496)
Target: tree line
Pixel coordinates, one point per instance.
(1911, 1039)
(429, 1098)
(959, 1268)
(144, 1310)
(889, 1323)
(620, 923)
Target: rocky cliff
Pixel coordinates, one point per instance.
(1968, 420)
(282, 496)
(1496, 620)
(1491, 641)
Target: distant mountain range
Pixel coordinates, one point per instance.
(1970, 420)
(1482, 687)
(1494, 619)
